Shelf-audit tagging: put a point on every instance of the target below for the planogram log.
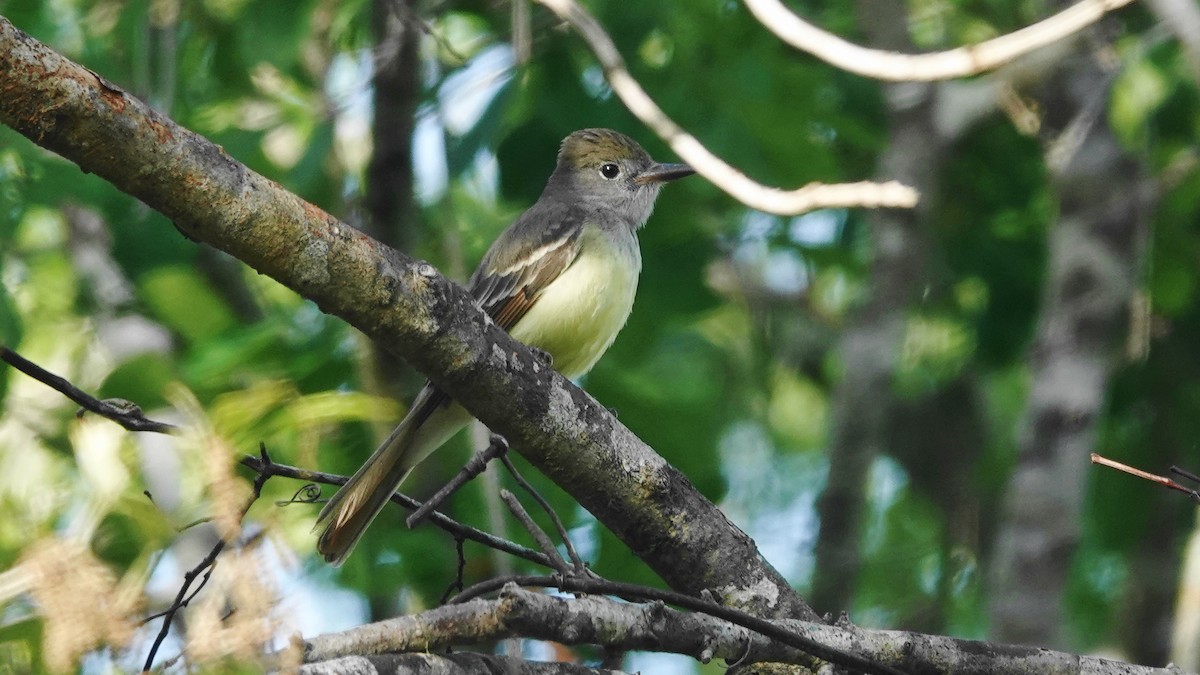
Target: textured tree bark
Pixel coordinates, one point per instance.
(1095, 250)
(402, 303)
(595, 620)
(462, 663)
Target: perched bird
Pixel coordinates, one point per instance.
(560, 279)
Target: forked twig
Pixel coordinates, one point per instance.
(470, 470)
(954, 63)
(205, 567)
(539, 535)
(580, 566)
(891, 194)
(442, 521)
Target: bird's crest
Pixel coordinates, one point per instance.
(593, 146)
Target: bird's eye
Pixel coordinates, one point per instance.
(610, 171)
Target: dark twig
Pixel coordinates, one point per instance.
(539, 535)
(457, 584)
(1154, 478)
(118, 410)
(205, 567)
(580, 566)
(1180, 471)
(446, 523)
(475, 466)
(596, 586)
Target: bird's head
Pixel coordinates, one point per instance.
(610, 169)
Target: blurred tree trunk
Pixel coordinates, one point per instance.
(937, 438)
(1156, 567)
(1154, 575)
(392, 216)
(863, 400)
(1094, 253)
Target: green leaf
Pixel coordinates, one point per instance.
(1136, 94)
(21, 645)
(185, 303)
(10, 330)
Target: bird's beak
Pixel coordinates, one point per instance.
(661, 173)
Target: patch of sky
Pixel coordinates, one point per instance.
(885, 486)
(461, 101)
(772, 496)
(817, 228)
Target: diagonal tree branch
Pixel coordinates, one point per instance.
(402, 303)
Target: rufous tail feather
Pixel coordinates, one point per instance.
(348, 513)
(432, 420)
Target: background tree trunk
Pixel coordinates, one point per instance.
(869, 348)
(1095, 257)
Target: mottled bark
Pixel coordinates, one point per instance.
(464, 663)
(1094, 252)
(400, 302)
(595, 620)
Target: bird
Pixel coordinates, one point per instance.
(560, 279)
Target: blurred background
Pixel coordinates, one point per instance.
(897, 406)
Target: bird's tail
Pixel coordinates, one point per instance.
(432, 420)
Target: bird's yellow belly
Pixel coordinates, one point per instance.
(579, 314)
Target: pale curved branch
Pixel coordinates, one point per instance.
(733, 182)
(896, 67)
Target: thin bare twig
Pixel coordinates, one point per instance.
(580, 566)
(120, 411)
(457, 584)
(1154, 478)
(539, 535)
(470, 470)
(1180, 471)
(205, 567)
(735, 183)
(954, 63)
(446, 523)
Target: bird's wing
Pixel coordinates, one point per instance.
(521, 263)
(526, 259)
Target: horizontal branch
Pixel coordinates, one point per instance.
(596, 620)
(735, 183)
(954, 63)
(401, 303)
(462, 663)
